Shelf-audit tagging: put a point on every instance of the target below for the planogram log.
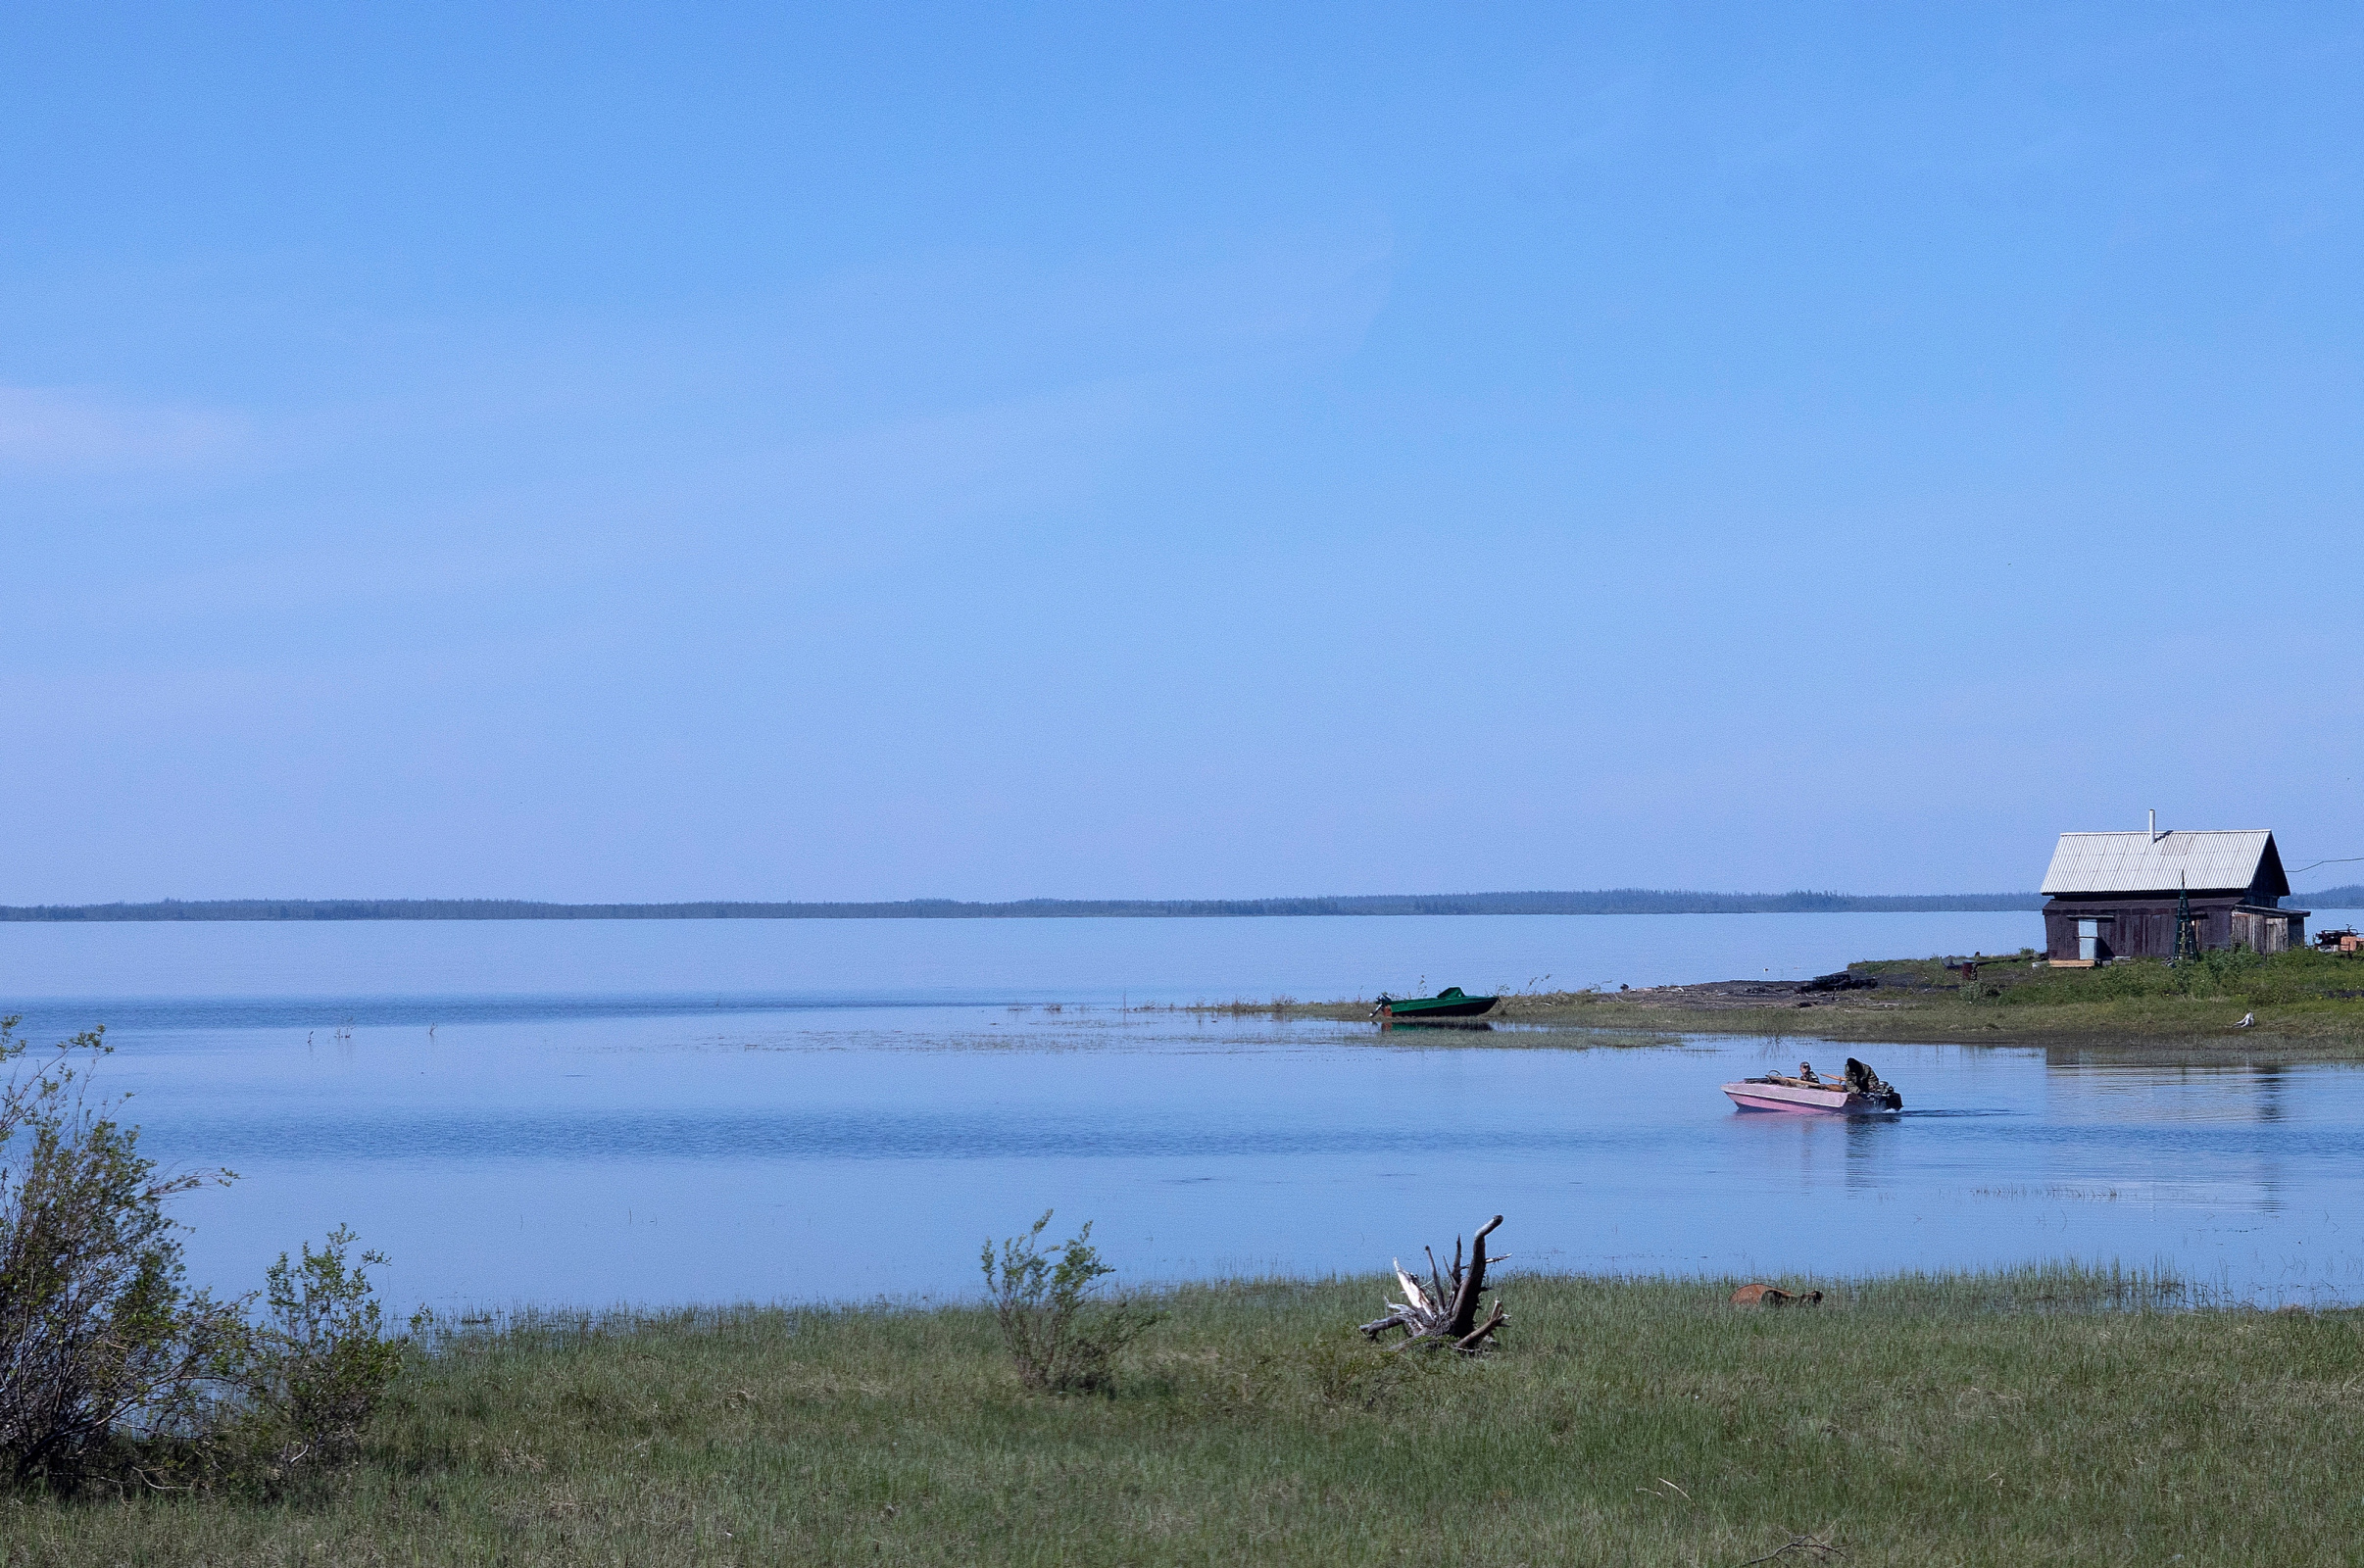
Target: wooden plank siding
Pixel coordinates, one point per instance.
(2144, 926)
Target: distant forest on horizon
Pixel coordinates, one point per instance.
(1609, 900)
(1612, 901)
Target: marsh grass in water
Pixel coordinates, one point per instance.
(2048, 1415)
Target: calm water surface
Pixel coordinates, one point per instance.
(664, 1111)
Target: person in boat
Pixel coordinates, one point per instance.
(1807, 1074)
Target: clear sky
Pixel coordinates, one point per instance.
(995, 450)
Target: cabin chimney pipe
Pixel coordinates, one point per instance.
(2154, 824)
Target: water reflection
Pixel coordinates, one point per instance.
(1855, 1152)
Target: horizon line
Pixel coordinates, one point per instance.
(1598, 901)
(1605, 900)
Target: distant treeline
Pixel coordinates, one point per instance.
(2350, 897)
(1612, 901)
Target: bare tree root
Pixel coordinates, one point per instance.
(1445, 1310)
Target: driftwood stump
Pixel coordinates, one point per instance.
(1445, 1311)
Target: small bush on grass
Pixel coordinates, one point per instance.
(100, 1344)
(313, 1372)
(110, 1369)
(1063, 1341)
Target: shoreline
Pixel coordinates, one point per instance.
(2304, 1003)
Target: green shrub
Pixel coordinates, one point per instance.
(313, 1372)
(100, 1344)
(109, 1365)
(1062, 1339)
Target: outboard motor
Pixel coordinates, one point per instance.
(1861, 1080)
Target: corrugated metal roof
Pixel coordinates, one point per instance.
(2135, 863)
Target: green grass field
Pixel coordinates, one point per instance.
(2046, 1416)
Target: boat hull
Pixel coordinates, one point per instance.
(1468, 1007)
(1749, 1095)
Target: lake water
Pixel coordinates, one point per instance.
(644, 1112)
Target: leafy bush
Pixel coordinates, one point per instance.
(1062, 1339)
(310, 1375)
(99, 1340)
(109, 1365)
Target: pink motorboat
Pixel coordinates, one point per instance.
(1861, 1093)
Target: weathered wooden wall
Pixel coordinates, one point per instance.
(2142, 926)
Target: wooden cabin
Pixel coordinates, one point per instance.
(2113, 895)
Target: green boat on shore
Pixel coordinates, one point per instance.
(1448, 1003)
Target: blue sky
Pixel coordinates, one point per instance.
(584, 451)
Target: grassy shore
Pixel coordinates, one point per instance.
(2305, 1004)
(2047, 1416)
